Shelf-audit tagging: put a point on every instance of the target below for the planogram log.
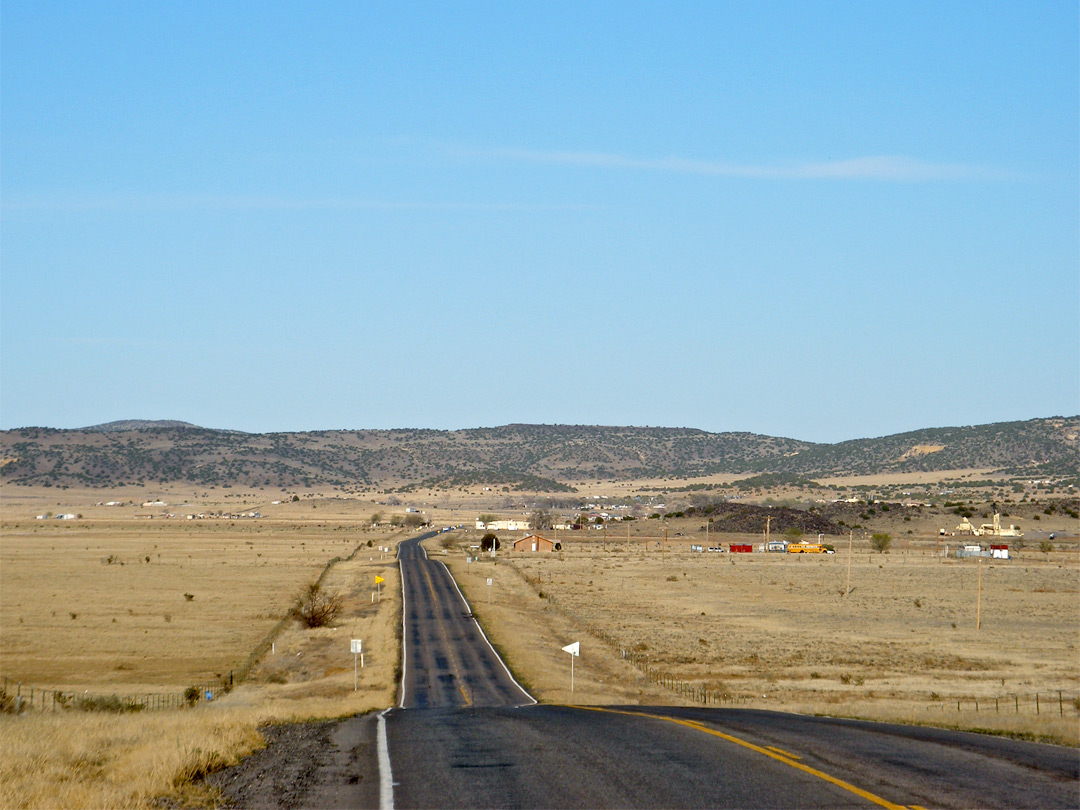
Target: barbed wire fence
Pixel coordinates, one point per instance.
(1050, 703)
(17, 697)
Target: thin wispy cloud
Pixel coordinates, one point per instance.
(128, 203)
(888, 168)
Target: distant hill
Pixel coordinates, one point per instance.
(137, 424)
(542, 458)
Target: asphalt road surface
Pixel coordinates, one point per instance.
(447, 660)
(466, 735)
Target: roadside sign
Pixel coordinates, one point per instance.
(379, 579)
(575, 651)
(356, 646)
(489, 582)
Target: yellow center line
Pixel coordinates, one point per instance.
(787, 754)
(446, 641)
(785, 758)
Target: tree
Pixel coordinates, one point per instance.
(1046, 546)
(880, 541)
(376, 517)
(793, 534)
(489, 540)
(412, 520)
(487, 517)
(540, 519)
(316, 607)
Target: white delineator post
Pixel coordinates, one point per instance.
(357, 647)
(574, 650)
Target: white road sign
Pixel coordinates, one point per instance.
(357, 646)
(573, 649)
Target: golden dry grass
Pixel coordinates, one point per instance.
(243, 577)
(775, 629)
(70, 619)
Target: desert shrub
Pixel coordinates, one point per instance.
(7, 702)
(880, 541)
(106, 703)
(316, 607)
(189, 596)
(191, 695)
(1046, 546)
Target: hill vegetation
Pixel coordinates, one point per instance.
(539, 458)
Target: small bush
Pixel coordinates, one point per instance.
(189, 596)
(191, 695)
(316, 607)
(880, 542)
(106, 703)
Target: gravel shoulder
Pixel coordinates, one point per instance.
(326, 764)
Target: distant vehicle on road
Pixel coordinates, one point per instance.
(808, 548)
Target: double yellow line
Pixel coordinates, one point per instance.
(779, 754)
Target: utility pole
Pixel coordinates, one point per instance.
(978, 600)
(847, 585)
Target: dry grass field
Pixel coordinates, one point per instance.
(100, 604)
(776, 631)
(134, 631)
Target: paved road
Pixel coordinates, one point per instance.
(447, 660)
(466, 735)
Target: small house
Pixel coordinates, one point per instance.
(534, 542)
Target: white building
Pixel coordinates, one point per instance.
(504, 525)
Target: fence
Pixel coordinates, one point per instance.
(31, 698)
(1054, 702)
(695, 692)
(17, 698)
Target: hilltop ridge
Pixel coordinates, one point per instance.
(542, 458)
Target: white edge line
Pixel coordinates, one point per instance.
(404, 629)
(482, 633)
(386, 777)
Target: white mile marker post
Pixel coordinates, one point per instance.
(574, 650)
(357, 646)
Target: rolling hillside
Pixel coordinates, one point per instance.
(524, 457)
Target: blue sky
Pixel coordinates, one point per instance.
(825, 220)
